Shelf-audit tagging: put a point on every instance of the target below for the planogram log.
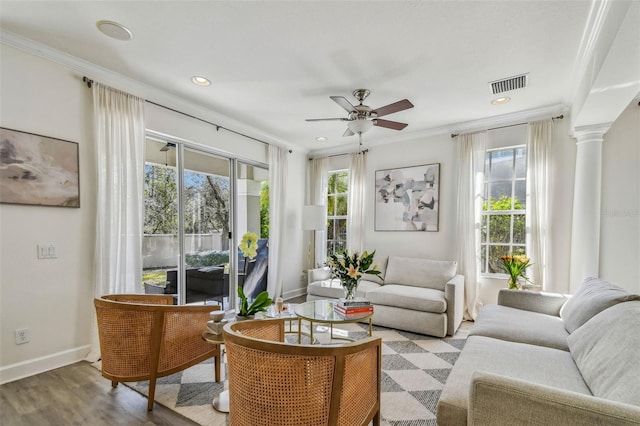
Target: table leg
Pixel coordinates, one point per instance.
(299, 329)
(370, 326)
(221, 402)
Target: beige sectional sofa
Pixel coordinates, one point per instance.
(418, 295)
(549, 359)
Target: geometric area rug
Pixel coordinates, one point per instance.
(415, 368)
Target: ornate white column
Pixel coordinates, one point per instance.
(585, 233)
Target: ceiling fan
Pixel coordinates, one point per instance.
(361, 117)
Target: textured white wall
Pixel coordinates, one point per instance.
(52, 297)
(434, 245)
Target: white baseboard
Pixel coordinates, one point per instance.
(294, 293)
(35, 366)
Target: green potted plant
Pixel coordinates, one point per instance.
(260, 304)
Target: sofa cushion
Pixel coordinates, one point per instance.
(516, 325)
(414, 298)
(607, 351)
(537, 364)
(592, 297)
(419, 272)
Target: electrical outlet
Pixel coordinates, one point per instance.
(22, 336)
(47, 251)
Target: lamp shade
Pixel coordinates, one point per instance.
(314, 218)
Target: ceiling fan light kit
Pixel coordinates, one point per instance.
(362, 117)
(360, 125)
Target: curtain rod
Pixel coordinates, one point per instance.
(559, 117)
(339, 155)
(89, 83)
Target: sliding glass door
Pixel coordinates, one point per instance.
(187, 224)
(205, 225)
(198, 206)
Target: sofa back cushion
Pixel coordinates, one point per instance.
(606, 350)
(417, 272)
(592, 297)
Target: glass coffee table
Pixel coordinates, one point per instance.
(288, 314)
(321, 311)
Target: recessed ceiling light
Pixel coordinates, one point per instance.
(321, 139)
(500, 101)
(200, 81)
(114, 30)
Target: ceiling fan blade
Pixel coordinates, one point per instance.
(389, 124)
(348, 132)
(327, 119)
(344, 103)
(394, 107)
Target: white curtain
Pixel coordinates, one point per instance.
(318, 181)
(355, 202)
(539, 135)
(277, 217)
(119, 128)
(471, 151)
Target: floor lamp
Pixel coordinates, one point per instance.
(314, 218)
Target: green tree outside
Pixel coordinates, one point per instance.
(264, 210)
(161, 208)
(496, 231)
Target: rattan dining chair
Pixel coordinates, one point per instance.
(275, 383)
(145, 336)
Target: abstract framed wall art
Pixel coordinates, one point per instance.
(408, 199)
(38, 170)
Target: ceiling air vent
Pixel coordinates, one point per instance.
(508, 84)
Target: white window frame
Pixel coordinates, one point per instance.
(331, 239)
(486, 214)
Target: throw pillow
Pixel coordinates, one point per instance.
(605, 350)
(593, 297)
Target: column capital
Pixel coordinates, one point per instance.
(591, 132)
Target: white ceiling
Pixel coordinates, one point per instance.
(274, 63)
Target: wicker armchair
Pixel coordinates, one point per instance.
(145, 336)
(276, 383)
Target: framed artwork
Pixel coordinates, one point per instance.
(408, 199)
(38, 170)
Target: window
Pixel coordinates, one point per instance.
(337, 211)
(503, 210)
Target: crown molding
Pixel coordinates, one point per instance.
(135, 87)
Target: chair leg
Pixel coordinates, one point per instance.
(114, 383)
(152, 394)
(376, 419)
(217, 364)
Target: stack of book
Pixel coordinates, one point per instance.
(353, 308)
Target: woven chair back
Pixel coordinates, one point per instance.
(143, 337)
(276, 383)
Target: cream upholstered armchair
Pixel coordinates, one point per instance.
(145, 336)
(276, 383)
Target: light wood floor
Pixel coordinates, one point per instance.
(78, 395)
